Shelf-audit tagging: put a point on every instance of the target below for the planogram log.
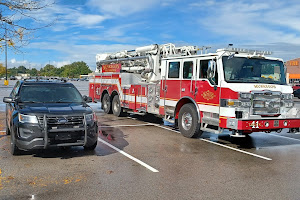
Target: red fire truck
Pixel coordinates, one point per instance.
(241, 90)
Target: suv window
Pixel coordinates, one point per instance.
(50, 94)
(15, 90)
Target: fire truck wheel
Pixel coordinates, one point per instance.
(188, 121)
(116, 107)
(106, 104)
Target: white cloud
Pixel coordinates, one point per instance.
(65, 17)
(121, 7)
(252, 21)
(74, 52)
(90, 19)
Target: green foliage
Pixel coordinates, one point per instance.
(73, 70)
(2, 70)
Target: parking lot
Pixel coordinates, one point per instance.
(138, 157)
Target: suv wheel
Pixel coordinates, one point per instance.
(7, 128)
(14, 150)
(90, 148)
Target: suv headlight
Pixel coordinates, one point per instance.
(91, 117)
(28, 119)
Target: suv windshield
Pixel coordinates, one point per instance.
(253, 70)
(50, 94)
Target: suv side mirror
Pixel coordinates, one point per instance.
(8, 100)
(211, 71)
(87, 99)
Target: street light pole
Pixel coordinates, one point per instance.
(5, 81)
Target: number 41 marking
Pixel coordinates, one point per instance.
(254, 124)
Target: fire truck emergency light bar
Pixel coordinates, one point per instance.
(255, 52)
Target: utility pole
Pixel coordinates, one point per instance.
(6, 80)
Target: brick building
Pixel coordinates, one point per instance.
(293, 70)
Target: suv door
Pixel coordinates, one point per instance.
(10, 107)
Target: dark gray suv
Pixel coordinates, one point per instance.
(42, 114)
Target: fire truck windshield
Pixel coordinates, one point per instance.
(253, 70)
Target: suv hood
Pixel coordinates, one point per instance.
(55, 108)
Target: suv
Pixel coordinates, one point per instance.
(42, 114)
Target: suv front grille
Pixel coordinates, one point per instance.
(62, 121)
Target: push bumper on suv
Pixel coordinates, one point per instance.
(57, 131)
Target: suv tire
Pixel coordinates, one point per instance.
(90, 148)
(7, 128)
(14, 150)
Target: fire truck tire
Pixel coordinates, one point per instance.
(188, 121)
(106, 104)
(116, 107)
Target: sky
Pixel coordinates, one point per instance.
(84, 28)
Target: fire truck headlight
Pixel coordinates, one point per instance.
(230, 103)
(287, 96)
(288, 104)
(245, 95)
(245, 104)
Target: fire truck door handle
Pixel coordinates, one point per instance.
(166, 88)
(196, 90)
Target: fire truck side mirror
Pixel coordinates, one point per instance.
(211, 71)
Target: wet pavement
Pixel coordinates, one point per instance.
(262, 166)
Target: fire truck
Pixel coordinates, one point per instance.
(240, 90)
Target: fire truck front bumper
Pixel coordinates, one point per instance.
(262, 125)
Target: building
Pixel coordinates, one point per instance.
(293, 70)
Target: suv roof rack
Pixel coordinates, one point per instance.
(37, 79)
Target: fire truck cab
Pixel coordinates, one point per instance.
(241, 90)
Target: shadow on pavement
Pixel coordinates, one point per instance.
(112, 135)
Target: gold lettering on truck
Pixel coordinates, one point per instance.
(265, 86)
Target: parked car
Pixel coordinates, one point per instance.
(297, 93)
(296, 87)
(42, 114)
(13, 78)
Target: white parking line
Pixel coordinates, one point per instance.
(241, 151)
(128, 125)
(128, 156)
(282, 136)
(228, 147)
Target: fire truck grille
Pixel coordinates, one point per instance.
(266, 103)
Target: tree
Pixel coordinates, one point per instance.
(22, 70)
(17, 21)
(75, 69)
(48, 70)
(2, 70)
